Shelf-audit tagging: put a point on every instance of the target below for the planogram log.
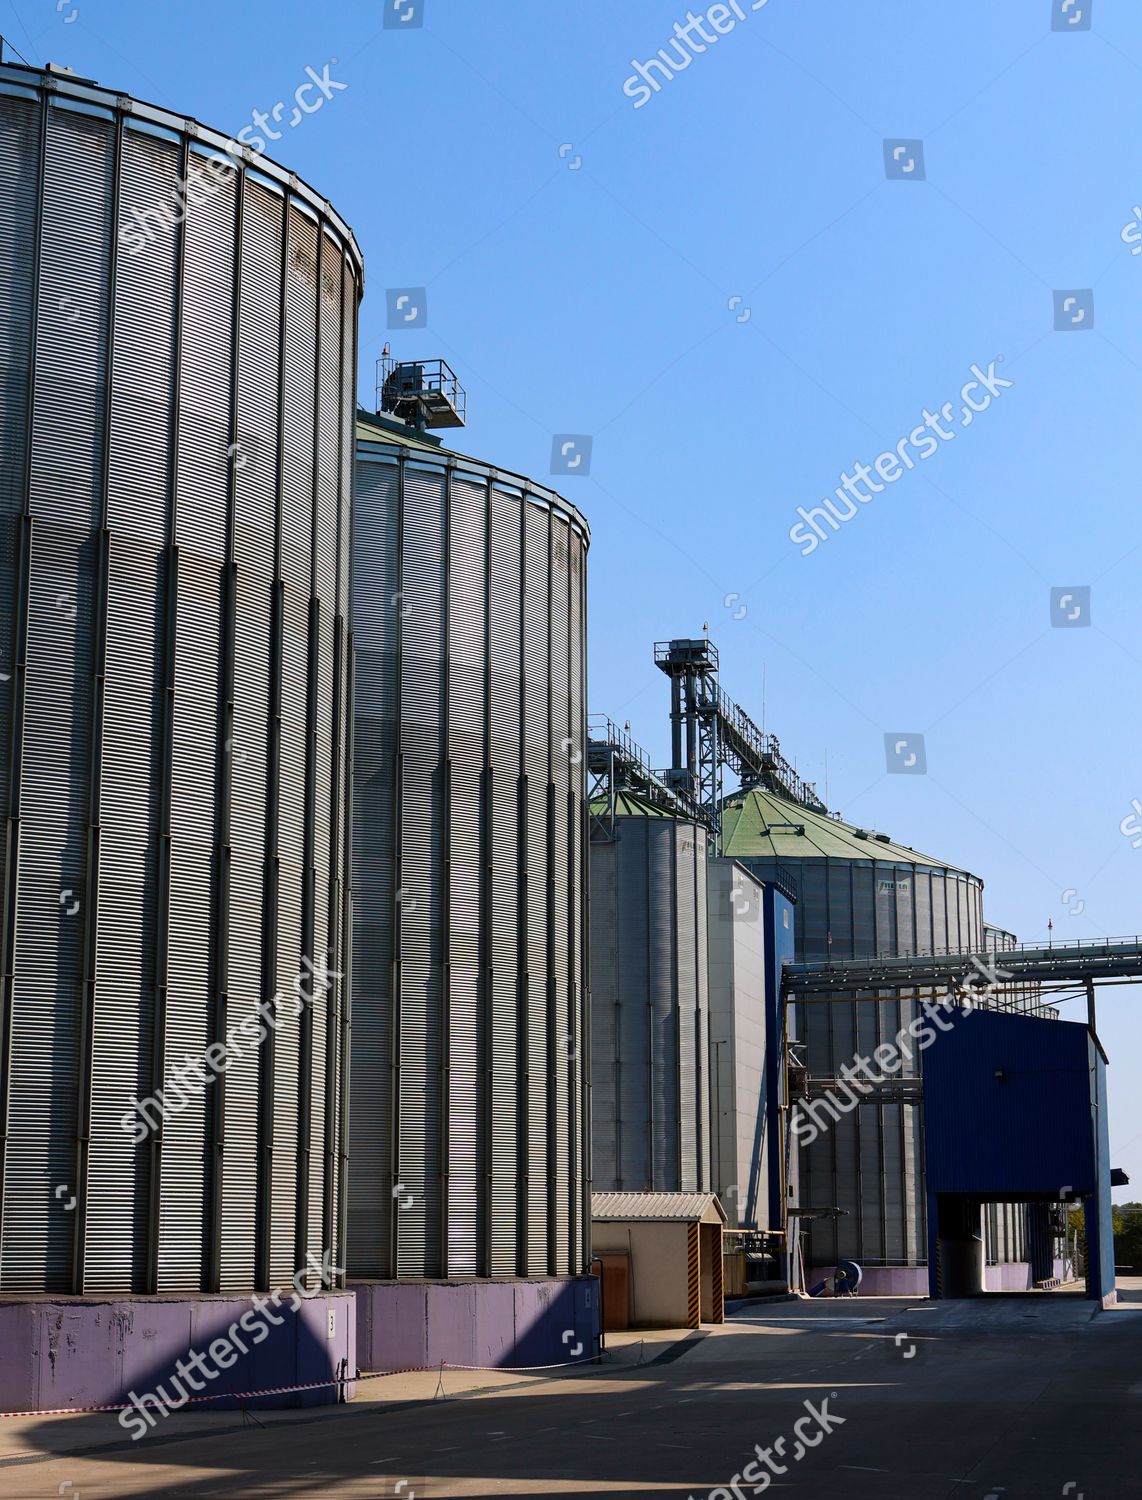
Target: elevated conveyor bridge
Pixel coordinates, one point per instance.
(1014, 978)
(1059, 966)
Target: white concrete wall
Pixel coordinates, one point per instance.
(659, 1276)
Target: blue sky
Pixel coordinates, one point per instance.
(581, 257)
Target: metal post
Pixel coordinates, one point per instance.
(676, 722)
(691, 727)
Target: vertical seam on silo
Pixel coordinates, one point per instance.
(619, 1083)
(220, 980)
(34, 307)
(834, 1233)
(568, 1080)
(170, 633)
(85, 1057)
(16, 691)
(551, 977)
(922, 1182)
(676, 1180)
(589, 1082)
(549, 990)
(583, 1041)
(523, 913)
(333, 995)
(445, 916)
(867, 1013)
(561, 1082)
(577, 1243)
(702, 1182)
(908, 1221)
(268, 1049)
(305, 1071)
(346, 933)
(879, 1113)
(11, 854)
(485, 1043)
(345, 936)
(391, 1211)
(334, 1079)
(18, 688)
(651, 1121)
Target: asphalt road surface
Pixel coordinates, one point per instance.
(1014, 1398)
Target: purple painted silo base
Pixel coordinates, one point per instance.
(879, 1281)
(1016, 1276)
(481, 1324)
(912, 1281)
(94, 1351)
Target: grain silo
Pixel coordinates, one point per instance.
(469, 1087)
(859, 895)
(177, 336)
(745, 1050)
(649, 1000)
(686, 952)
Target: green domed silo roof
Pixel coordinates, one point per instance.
(629, 804)
(760, 824)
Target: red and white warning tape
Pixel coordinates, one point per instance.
(315, 1385)
(507, 1369)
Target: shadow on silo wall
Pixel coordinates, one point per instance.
(80, 1352)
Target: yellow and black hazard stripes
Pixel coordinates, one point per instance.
(694, 1272)
(718, 1310)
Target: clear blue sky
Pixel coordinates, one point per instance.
(595, 299)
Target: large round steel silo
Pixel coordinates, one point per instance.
(177, 342)
(469, 1094)
(859, 895)
(650, 1094)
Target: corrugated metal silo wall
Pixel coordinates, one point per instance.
(741, 1106)
(870, 1162)
(649, 1007)
(173, 635)
(469, 1091)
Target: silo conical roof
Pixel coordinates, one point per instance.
(630, 804)
(761, 824)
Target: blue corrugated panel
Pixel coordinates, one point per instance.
(1007, 1106)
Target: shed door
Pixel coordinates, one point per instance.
(615, 1278)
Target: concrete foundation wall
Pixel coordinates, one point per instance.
(500, 1324)
(78, 1351)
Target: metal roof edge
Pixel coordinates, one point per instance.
(85, 91)
(382, 442)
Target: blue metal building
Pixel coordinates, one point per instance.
(1014, 1112)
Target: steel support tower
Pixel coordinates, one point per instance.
(709, 732)
(616, 763)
